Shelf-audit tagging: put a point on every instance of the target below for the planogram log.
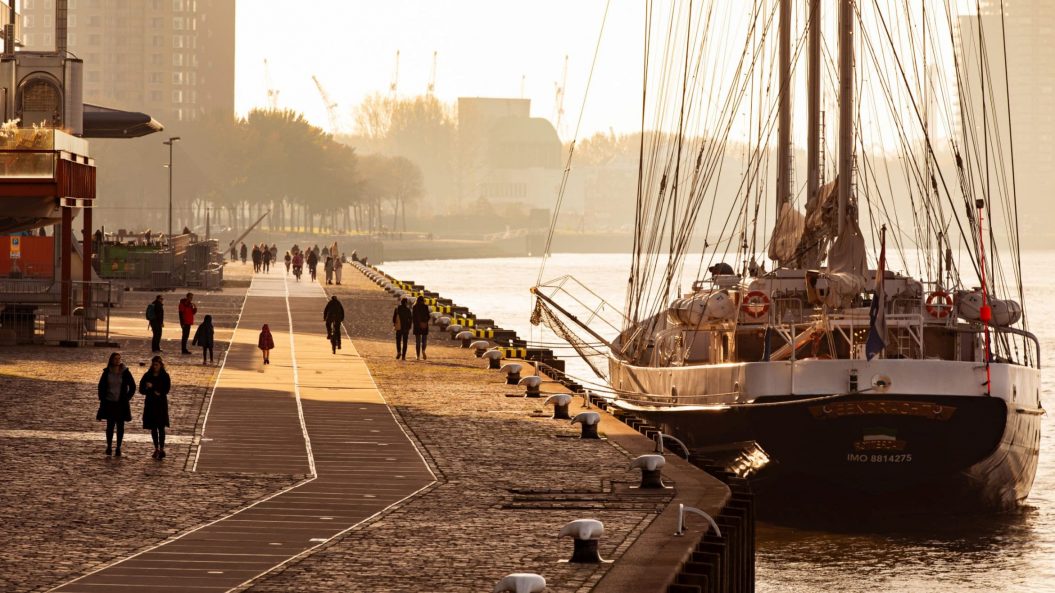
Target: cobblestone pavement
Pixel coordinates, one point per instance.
(510, 478)
(65, 508)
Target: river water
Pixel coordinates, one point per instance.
(1012, 552)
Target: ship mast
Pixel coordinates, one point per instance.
(846, 104)
(784, 109)
(813, 83)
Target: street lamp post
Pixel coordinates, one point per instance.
(170, 142)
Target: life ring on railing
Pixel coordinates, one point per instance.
(755, 304)
(936, 309)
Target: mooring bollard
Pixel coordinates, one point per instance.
(589, 421)
(454, 328)
(443, 322)
(434, 317)
(560, 403)
(531, 386)
(479, 346)
(587, 535)
(494, 359)
(466, 337)
(650, 466)
(521, 582)
(512, 371)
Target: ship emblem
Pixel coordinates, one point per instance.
(879, 438)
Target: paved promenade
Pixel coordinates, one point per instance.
(309, 412)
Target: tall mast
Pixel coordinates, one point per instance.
(784, 112)
(846, 106)
(813, 72)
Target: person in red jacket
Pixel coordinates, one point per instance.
(187, 309)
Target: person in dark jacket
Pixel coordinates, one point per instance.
(155, 386)
(420, 314)
(265, 254)
(328, 267)
(203, 336)
(313, 262)
(243, 251)
(333, 314)
(401, 320)
(116, 388)
(157, 322)
(266, 343)
(256, 258)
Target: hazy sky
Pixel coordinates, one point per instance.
(485, 47)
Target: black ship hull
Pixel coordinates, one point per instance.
(918, 451)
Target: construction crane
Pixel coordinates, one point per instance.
(558, 100)
(395, 77)
(272, 93)
(331, 106)
(432, 79)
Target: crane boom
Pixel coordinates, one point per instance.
(331, 106)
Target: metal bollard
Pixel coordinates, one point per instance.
(560, 402)
(454, 328)
(494, 359)
(521, 582)
(434, 317)
(531, 386)
(587, 535)
(512, 371)
(443, 322)
(650, 466)
(466, 337)
(589, 421)
(479, 346)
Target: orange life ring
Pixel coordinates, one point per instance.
(755, 304)
(936, 309)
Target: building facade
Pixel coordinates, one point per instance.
(173, 59)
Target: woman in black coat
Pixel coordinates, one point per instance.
(420, 314)
(203, 337)
(116, 388)
(155, 385)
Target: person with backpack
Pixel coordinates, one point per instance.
(203, 337)
(156, 319)
(155, 386)
(420, 314)
(333, 314)
(116, 388)
(186, 311)
(313, 262)
(266, 343)
(401, 321)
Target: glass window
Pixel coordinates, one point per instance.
(177, 78)
(156, 60)
(177, 41)
(177, 96)
(158, 41)
(28, 4)
(95, 39)
(177, 23)
(95, 20)
(28, 22)
(157, 23)
(177, 59)
(71, 20)
(156, 77)
(155, 96)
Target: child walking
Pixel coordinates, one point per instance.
(203, 337)
(266, 343)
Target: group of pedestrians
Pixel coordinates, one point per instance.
(263, 256)
(116, 390)
(407, 319)
(203, 337)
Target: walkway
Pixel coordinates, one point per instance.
(308, 413)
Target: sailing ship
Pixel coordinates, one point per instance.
(832, 371)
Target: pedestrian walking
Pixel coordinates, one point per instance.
(420, 314)
(116, 388)
(266, 343)
(266, 256)
(313, 261)
(243, 252)
(289, 259)
(186, 310)
(337, 266)
(274, 252)
(234, 253)
(402, 319)
(203, 337)
(333, 314)
(257, 258)
(155, 386)
(328, 267)
(155, 315)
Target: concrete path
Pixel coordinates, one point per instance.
(309, 412)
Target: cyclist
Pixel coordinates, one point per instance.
(333, 314)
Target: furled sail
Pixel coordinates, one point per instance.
(847, 265)
(787, 234)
